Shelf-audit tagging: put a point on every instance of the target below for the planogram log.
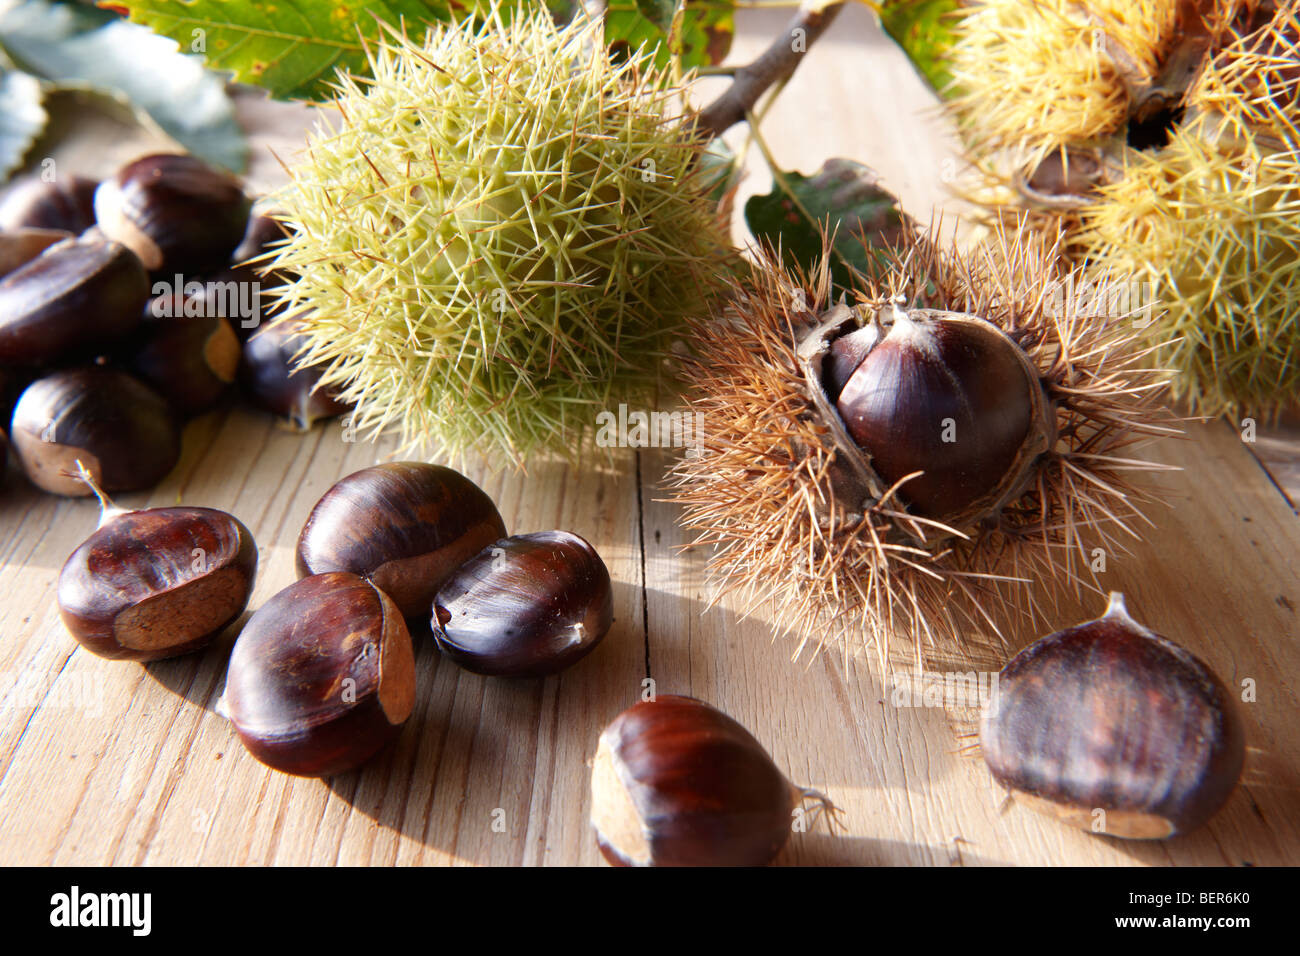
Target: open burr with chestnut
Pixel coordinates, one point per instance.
(676, 782)
(158, 582)
(1114, 729)
(903, 465)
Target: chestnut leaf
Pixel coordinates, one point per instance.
(292, 47)
(22, 118)
(704, 37)
(84, 48)
(844, 198)
(925, 30)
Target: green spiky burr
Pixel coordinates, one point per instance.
(501, 235)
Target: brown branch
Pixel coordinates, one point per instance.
(777, 63)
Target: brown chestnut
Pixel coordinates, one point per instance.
(74, 296)
(322, 677)
(947, 399)
(157, 583)
(191, 362)
(525, 606)
(119, 428)
(676, 782)
(272, 379)
(67, 204)
(407, 526)
(177, 213)
(20, 246)
(1114, 729)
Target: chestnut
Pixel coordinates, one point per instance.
(191, 362)
(119, 428)
(676, 782)
(157, 583)
(20, 246)
(272, 379)
(322, 676)
(177, 213)
(948, 402)
(74, 296)
(407, 526)
(1108, 716)
(525, 606)
(67, 204)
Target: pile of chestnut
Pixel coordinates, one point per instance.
(128, 306)
(322, 676)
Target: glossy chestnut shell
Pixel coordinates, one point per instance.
(67, 204)
(117, 427)
(157, 583)
(76, 295)
(191, 362)
(177, 213)
(322, 677)
(946, 395)
(525, 606)
(271, 378)
(20, 246)
(676, 782)
(1109, 717)
(407, 526)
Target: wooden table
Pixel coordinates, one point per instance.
(118, 763)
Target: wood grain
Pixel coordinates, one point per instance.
(121, 764)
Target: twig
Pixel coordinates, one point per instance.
(777, 63)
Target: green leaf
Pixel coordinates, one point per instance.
(72, 46)
(290, 47)
(22, 118)
(706, 31)
(843, 195)
(925, 30)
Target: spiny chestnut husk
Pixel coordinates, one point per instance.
(175, 212)
(525, 606)
(1109, 717)
(502, 234)
(321, 677)
(676, 782)
(406, 526)
(157, 583)
(121, 430)
(875, 470)
(1163, 136)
